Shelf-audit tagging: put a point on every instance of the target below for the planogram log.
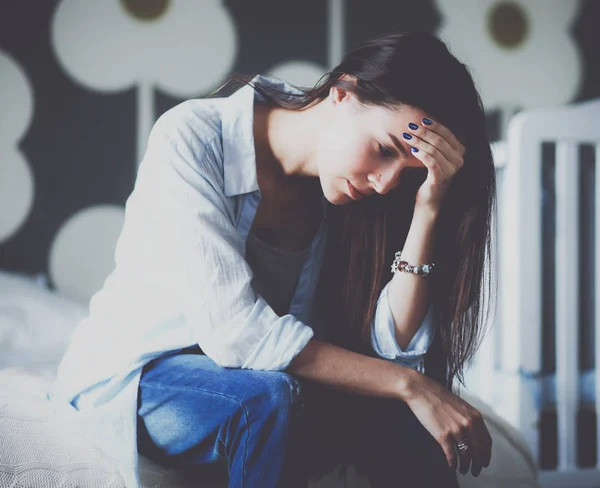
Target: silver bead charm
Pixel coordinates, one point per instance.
(418, 270)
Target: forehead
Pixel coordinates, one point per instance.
(393, 122)
(397, 118)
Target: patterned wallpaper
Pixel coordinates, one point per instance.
(82, 81)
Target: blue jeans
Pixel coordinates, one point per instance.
(267, 429)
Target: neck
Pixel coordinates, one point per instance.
(288, 138)
(285, 141)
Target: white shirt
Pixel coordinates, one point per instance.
(181, 277)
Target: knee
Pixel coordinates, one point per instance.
(277, 392)
(394, 426)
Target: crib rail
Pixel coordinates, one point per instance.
(511, 368)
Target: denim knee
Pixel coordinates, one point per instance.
(280, 391)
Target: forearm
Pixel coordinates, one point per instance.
(353, 372)
(409, 294)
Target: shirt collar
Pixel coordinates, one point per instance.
(239, 158)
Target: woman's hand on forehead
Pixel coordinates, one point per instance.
(442, 154)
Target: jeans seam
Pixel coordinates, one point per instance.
(245, 446)
(188, 388)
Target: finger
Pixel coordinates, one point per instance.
(437, 141)
(433, 145)
(450, 452)
(431, 158)
(480, 440)
(476, 449)
(476, 446)
(465, 460)
(476, 467)
(487, 458)
(446, 133)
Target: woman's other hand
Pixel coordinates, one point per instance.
(451, 420)
(441, 152)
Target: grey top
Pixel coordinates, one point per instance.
(276, 272)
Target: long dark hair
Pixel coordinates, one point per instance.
(417, 69)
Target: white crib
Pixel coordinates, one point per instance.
(549, 292)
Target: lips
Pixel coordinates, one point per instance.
(354, 193)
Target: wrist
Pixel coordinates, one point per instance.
(428, 212)
(406, 383)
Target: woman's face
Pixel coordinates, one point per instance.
(363, 146)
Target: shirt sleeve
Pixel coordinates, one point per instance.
(383, 337)
(190, 227)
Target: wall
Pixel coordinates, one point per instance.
(81, 82)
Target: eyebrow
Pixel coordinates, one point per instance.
(398, 144)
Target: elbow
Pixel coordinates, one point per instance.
(404, 339)
(403, 334)
(403, 343)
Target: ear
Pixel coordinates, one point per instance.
(338, 94)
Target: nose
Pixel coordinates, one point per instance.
(383, 181)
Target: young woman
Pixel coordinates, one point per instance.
(252, 327)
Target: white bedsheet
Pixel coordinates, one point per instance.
(38, 448)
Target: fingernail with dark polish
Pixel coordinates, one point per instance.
(414, 149)
(406, 135)
(427, 122)
(413, 126)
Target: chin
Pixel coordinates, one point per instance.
(338, 202)
(339, 198)
(335, 195)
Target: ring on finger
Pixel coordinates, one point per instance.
(462, 446)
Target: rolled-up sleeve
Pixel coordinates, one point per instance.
(190, 229)
(383, 336)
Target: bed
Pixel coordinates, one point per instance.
(38, 448)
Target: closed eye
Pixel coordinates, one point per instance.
(385, 152)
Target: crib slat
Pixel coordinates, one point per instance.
(336, 18)
(597, 301)
(519, 245)
(567, 310)
(519, 272)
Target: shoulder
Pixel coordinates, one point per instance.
(191, 125)
(187, 141)
(184, 154)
